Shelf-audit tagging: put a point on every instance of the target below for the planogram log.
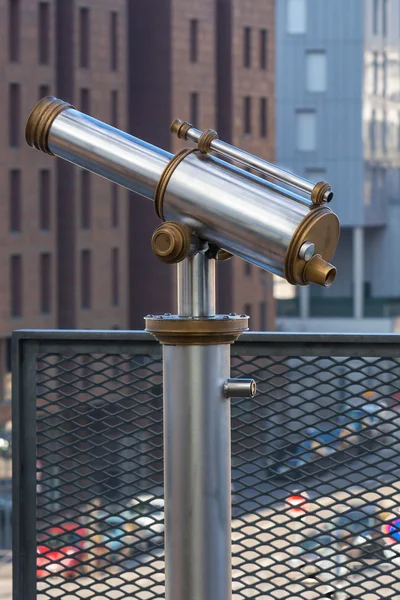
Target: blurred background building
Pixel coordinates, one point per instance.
(76, 249)
(338, 119)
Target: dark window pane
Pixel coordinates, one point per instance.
(15, 200)
(114, 41)
(247, 115)
(44, 200)
(13, 30)
(247, 268)
(114, 108)
(194, 108)
(247, 310)
(384, 17)
(86, 279)
(14, 110)
(115, 276)
(16, 285)
(263, 316)
(45, 283)
(376, 17)
(44, 33)
(85, 100)
(247, 47)
(44, 90)
(263, 117)
(86, 200)
(264, 49)
(84, 38)
(114, 205)
(194, 26)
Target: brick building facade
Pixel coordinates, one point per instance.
(76, 249)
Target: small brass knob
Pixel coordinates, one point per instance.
(171, 242)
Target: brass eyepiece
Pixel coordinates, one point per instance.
(41, 119)
(171, 242)
(319, 271)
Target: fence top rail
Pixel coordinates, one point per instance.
(250, 343)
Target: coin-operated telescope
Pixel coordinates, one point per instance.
(211, 208)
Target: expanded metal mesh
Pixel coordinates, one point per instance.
(315, 477)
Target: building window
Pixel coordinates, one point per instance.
(263, 316)
(45, 283)
(306, 130)
(44, 200)
(194, 108)
(316, 71)
(247, 115)
(375, 17)
(263, 117)
(85, 100)
(14, 110)
(247, 310)
(15, 200)
(44, 33)
(247, 47)
(384, 73)
(84, 38)
(296, 16)
(16, 285)
(115, 276)
(194, 29)
(13, 30)
(264, 49)
(44, 90)
(375, 73)
(384, 132)
(384, 17)
(86, 279)
(86, 200)
(114, 108)
(372, 130)
(315, 175)
(114, 41)
(247, 268)
(114, 205)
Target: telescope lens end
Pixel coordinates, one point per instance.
(40, 121)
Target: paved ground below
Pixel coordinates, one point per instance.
(5, 582)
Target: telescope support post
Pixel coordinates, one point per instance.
(197, 440)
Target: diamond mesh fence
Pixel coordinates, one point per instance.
(315, 472)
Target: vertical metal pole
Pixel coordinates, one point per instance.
(304, 297)
(197, 451)
(358, 272)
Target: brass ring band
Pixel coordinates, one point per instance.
(318, 193)
(165, 177)
(40, 121)
(204, 143)
(174, 330)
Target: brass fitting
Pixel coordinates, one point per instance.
(165, 177)
(40, 121)
(180, 128)
(321, 193)
(183, 331)
(319, 271)
(322, 229)
(204, 143)
(171, 242)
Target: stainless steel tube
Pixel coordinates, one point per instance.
(196, 286)
(250, 160)
(107, 151)
(197, 473)
(234, 210)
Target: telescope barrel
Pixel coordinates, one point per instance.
(95, 146)
(221, 203)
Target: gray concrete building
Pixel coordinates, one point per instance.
(338, 119)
